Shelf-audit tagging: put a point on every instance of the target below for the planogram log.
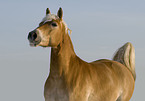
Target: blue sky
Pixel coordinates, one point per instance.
(99, 28)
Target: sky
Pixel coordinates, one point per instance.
(99, 28)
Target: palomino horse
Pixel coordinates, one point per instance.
(72, 79)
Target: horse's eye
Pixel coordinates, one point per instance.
(54, 24)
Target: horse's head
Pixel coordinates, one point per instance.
(50, 31)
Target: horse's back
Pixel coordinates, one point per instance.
(113, 68)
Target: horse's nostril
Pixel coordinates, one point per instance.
(32, 36)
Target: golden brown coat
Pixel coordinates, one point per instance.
(71, 78)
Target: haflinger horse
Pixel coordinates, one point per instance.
(71, 78)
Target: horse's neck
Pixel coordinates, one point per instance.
(60, 57)
(65, 65)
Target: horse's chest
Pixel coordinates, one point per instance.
(55, 90)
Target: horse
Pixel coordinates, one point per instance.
(73, 79)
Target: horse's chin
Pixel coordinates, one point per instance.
(44, 46)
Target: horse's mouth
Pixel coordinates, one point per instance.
(34, 43)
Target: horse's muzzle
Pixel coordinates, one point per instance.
(34, 38)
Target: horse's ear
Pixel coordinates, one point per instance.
(47, 11)
(60, 13)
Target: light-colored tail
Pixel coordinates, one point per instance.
(126, 56)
